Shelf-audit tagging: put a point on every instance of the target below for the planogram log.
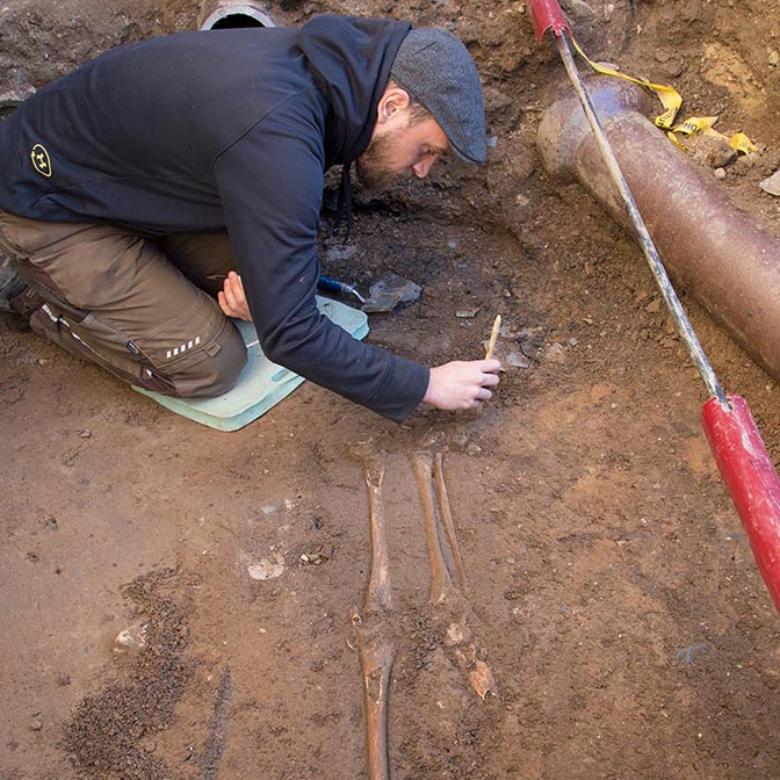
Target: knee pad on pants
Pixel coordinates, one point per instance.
(216, 371)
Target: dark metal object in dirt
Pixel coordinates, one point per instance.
(734, 438)
(224, 14)
(722, 256)
(391, 291)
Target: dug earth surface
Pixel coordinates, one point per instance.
(616, 599)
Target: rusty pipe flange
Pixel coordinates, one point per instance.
(224, 15)
(724, 257)
(564, 125)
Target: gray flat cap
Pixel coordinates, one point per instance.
(436, 69)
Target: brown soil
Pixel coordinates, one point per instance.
(613, 592)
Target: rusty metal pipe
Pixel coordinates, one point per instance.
(729, 263)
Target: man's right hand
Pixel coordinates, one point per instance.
(461, 384)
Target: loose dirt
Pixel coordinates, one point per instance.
(612, 590)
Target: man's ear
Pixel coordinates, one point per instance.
(393, 100)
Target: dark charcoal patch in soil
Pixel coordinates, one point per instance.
(105, 734)
(215, 742)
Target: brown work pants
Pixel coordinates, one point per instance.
(143, 308)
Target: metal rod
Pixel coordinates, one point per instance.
(684, 326)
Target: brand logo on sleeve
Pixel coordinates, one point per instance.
(41, 160)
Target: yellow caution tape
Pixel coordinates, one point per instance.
(671, 100)
(697, 124)
(705, 124)
(742, 143)
(676, 141)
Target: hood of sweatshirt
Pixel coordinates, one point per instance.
(350, 59)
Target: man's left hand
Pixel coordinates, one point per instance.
(232, 300)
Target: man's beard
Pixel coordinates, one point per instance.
(374, 166)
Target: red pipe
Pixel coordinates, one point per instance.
(547, 15)
(750, 477)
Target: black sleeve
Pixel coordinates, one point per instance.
(270, 184)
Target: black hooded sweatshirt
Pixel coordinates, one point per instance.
(224, 129)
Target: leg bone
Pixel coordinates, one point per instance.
(376, 662)
(445, 513)
(441, 584)
(378, 596)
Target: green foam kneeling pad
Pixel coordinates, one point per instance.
(262, 384)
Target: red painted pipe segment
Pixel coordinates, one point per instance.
(748, 472)
(547, 15)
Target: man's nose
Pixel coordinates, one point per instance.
(422, 168)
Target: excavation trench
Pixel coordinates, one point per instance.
(609, 589)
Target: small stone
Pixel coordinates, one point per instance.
(36, 723)
(482, 681)
(473, 449)
(579, 9)
(531, 347)
(457, 634)
(341, 252)
(466, 314)
(131, 639)
(771, 185)
(654, 306)
(712, 150)
(773, 58)
(555, 353)
(86, 433)
(390, 291)
(720, 173)
(517, 360)
(312, 559)
(266, 569)
(459, 441)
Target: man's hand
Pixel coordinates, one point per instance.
(462, 385)
(231, 298)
